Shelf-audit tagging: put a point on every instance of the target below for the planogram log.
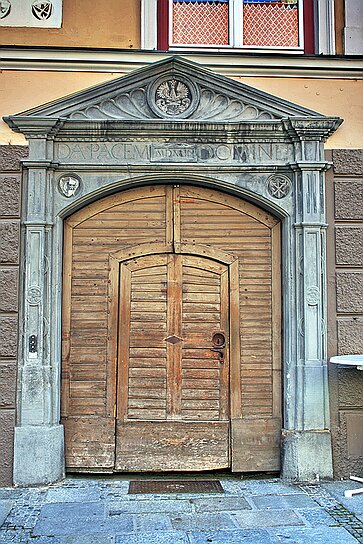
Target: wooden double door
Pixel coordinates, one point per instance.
(173, 373)
(170, 348)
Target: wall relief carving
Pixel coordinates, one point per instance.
(173, 98)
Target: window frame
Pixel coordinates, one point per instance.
(306, 32)
(235, 31)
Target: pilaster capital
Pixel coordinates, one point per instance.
(313, 128)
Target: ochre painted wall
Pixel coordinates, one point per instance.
(327, 96)
(86, 23)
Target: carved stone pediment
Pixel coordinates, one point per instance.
(170, 90)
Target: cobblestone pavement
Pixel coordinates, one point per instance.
(100, 511)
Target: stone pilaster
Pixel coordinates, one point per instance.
(306, 438)
(37, 417)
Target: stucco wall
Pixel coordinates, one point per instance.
(10, 195)
(111, 23)
(345, 253)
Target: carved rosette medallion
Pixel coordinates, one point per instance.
(173, 97)
(34, 295)
(69, 185)
(312, 295)
(279, 186)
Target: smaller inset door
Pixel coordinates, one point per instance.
(173, 364)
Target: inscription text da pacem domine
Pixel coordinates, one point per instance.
(116, 152)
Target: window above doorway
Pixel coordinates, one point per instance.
(245, 25)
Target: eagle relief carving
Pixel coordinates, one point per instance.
(173, 97)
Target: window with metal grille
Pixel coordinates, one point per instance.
(246, 24)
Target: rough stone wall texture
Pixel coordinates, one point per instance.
(345, 275)
(10, 209)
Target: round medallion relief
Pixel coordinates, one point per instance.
(34, 295)
(279, 186)
(173, 97)
(69, 185)
(5, 8)
(42, 10)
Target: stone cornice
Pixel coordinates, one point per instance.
(228, 63)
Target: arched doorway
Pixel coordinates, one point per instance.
(171, 333)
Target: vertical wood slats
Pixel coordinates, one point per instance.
(184, 216)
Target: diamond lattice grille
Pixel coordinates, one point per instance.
(205, 23)
(270, 25)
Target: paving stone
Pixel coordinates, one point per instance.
(202, 522)
(5, 507)
(72, 495)
(328, 535)
(316, 517)
(149, 506)
(154, 538)
(88, 539)
(73, 509)
(81, 526)
(268, 487)
(336, 489)
(252, 536)
(284, 501)
(144, 523)
(267, 518)
(10, 493)
(217, 504)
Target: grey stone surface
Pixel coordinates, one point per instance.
(337, 488)
(68, 495)
(350, 292)
(350, 336)
(209, 522)
(170, 537)
(348, 161)
(218, 504)
(243, 536)
(138, 506)
(33, 519)
(331, 535)
(348, 198)
(272, 502)
(38, 454)
(5, 507)
(307, 455)
(8, 336)
(9, 242)
(8, 384)
(9, 290)
(11, 155)
(152, 522)
(315, 517)
(267, 518)
(10, 195)
(349, 245)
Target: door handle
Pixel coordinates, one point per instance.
(220, 352)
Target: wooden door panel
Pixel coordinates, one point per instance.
(165, 380)
(174, 446)
(183, 390)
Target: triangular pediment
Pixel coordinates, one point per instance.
(171, 89)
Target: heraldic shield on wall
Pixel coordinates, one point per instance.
(182, 307)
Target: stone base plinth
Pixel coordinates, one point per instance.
(306, 455)
(38, 454)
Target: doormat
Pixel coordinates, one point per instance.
(175, 486)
